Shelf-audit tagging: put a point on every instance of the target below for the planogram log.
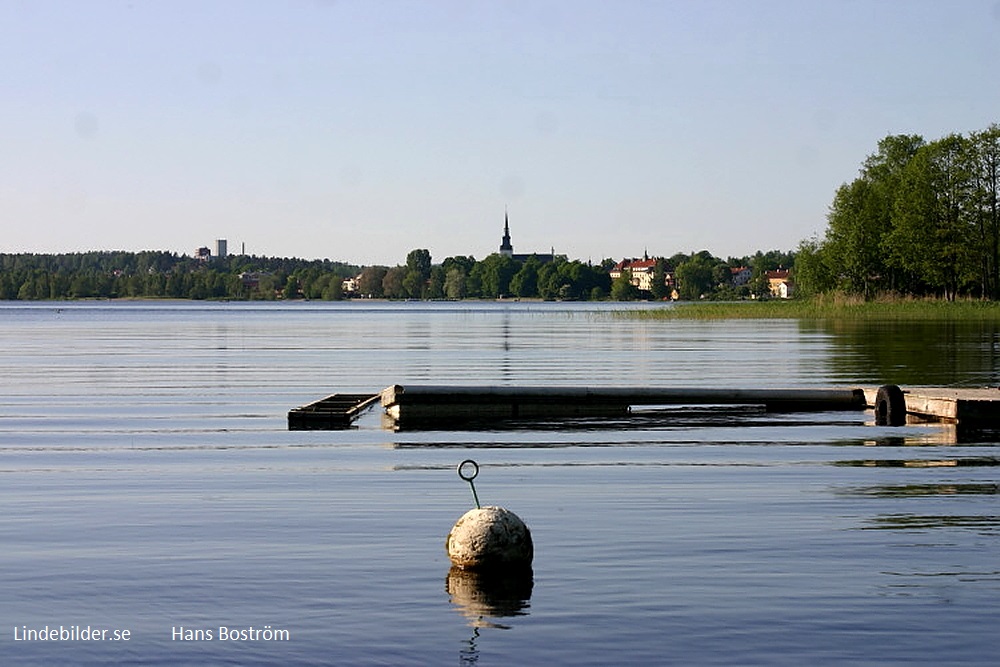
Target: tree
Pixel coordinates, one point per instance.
(933, 235)
(334, 291)
(813, 274)
(413, 284)
(392, 283)
(984, 154)
(419, 261)
(418, 272)
(695, 276)
(435, 284)
(81, 286)
(524, 283)
(454, 283)
(578, 280)
(495, 273)
(370, 281)
(622, 288)
(862, 216)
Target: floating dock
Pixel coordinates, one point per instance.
(437, 406)
(336, 411)
(423, 404)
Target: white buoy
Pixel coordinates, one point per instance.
(490, 538)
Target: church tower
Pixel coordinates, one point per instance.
(506, 249)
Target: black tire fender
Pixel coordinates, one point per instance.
(890, 406)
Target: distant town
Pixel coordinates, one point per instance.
(922, 219)
(212, 272)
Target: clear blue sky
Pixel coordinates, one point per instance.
(357, 130)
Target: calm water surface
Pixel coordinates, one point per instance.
(149, 484)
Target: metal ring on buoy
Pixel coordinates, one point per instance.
(890, 406)
(468, 477)
(475, 470)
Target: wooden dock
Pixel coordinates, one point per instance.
(436, 406)
(336, 411)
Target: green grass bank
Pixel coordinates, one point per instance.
(829, 307)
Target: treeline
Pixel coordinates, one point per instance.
(920, 219)
(495, 276)
(695, 276)
(154, 274)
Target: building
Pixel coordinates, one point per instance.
(251, 279)
(507, 248)
(221, 251)
(350, 285)
(741, 275)
(203, 254)
(641, 272)
(780, 283)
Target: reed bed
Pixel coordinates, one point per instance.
(831, 307)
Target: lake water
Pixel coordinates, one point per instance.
(148, 483)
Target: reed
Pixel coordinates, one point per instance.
(835, 306)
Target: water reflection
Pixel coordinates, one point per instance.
(925, 490)
(481, 596)
(968, 461)
(637, 418)
(988, 523)
(965, 353)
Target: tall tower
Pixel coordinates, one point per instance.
(506, 249)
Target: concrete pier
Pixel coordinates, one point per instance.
(437, 406)
(968, 406)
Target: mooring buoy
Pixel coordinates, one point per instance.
(488, 538)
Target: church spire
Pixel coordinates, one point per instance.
(506, 248)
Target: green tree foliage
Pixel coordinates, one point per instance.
(419, 262)
(861, 216)
(696, 276)
(454, 283)
(418, 273)
(812, 273)
(932, 237)
(524, 283)
(151, 274)
(622, 288)
(494, 274)
(921, 218)
(984, 168)
(371, 280)
(659, 289)
(392, 283)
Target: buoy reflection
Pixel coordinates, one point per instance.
(480, 596)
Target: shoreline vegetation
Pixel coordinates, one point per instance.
(831, 307)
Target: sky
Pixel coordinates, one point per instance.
(358, 130)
